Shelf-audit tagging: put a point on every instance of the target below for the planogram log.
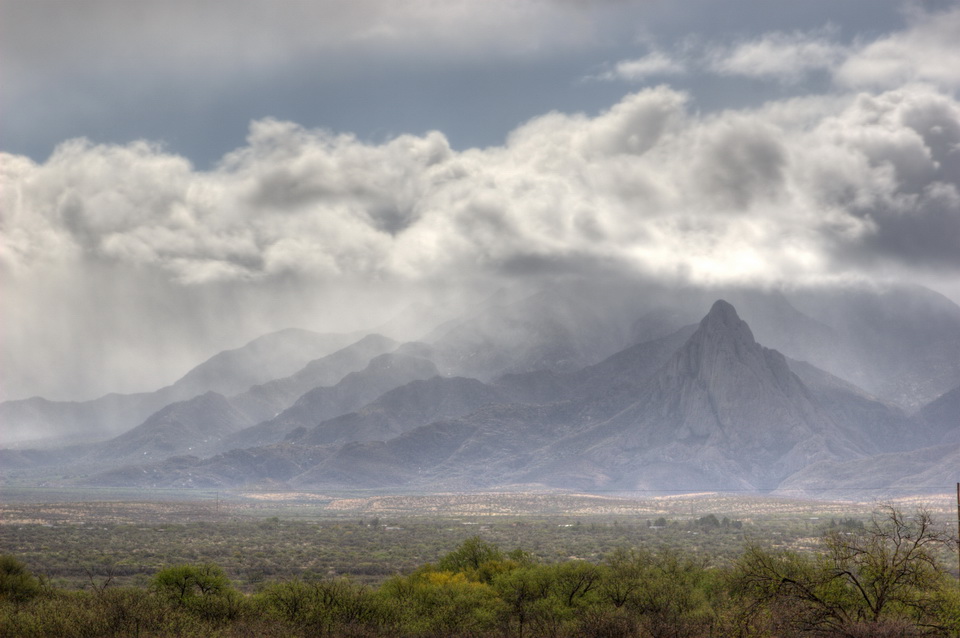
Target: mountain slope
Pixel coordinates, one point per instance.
(231, 371)
(401, 409)
(194, 427)
(484, 449)
(266, 400)
(383, 373)
(942, 416)
(931, 469)
(859, 415)
(271, 356)
(901, 343)
(270, 465)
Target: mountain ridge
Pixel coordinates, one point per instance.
(704, 406)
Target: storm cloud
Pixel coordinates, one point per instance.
(109, 242)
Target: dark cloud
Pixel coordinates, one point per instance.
(741, 163)
(923, 234)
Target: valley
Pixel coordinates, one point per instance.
(77, 536)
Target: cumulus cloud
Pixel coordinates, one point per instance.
(647, 184)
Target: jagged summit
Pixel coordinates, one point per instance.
(723, 352)
(723, 319)
(722, 309)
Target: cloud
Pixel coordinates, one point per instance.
(193, 73)
(41, 43)
(926, 51)
(647, 184)
(101, 244)
(106, 243)
(784, 57)
(654, 64)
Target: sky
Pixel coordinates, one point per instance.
(178, 177)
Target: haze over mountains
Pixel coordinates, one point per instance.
(615, 389)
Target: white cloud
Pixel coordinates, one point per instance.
(926, 51)
(640, 184)
(654, 64)
(783, 57)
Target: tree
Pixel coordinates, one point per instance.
(891, 566)
(200, 589)
(183, 583)
(625, 573)
(574, 580)
(865, 582)
(672, 598)
(522, 590)
(470, 556)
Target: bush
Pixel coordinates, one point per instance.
(17, 584)
(333, 607)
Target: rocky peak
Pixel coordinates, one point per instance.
(723, 320)
(722, 345)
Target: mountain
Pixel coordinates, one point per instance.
(942, 416)
(933, 469)
(355, 390)
(231, 371)
(899, 343)
(402, 409)
(194, 427)
(265, 401)
(266, 358)
(721, 411)
(701, 407)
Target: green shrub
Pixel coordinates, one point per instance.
(17, 584)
